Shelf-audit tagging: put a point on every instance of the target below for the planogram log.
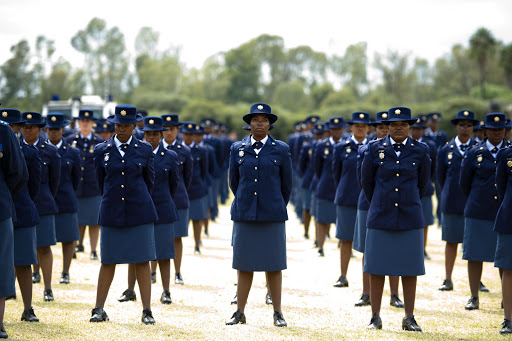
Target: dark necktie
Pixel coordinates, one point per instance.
(494, 150)
(257, 145)
(124, 146)
(396, 147)
(463, 147)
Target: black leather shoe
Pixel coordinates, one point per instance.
(197, 251)
(363, 301)
(12, 297)
(79, 248)
(483, 288)
(409, 323)
(74, 255)
(147, 317)
(341, 283)
(306, 236)
(98, 315)
(315, 244)
(237, 318)
(36, 277)
(447, 285)
(64, 278)
(279, 319)
(506, 327)
(473, 303)
(396, 302)
(166, 297)
(375, 323)
(3, 334)
(127, 295)
(425, 255)
(153, 277)
(94, 255)
(321, 253)
(268, 299)
(48, 295)
(29, 315)
(234, 300)
(178, 279)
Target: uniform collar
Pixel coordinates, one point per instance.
(119, 143)
(89, 137)
(490, 146)
(264, 140)
(353, 139)
(58, 145)
(404, 142)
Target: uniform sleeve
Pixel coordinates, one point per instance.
(424, 172)
(212, 163)
(317, 161)
(303, 159)
(368, 171)
(337, 165)
(204, 163)
(359, 165)
(174, 175)
(286, 176)
(433, 162)
(100, 171)
(234, 176)
(24, 178)
(466, 174)
(34, 175)
(54, 170)
(149, 172)
(11, 163)
(501, 176)
(76, 172)
(187, 170)
(440, 168)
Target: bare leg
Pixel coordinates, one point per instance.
(206, 221)
(393, 285)
(196, 225)
(409, 287)
(2, 310)
(68, 249)
(507, 294)
(366, 281)
(475, 275)
(25, 281)
(376, 289)
(94, 233)
(322, 231)
(131, 277)
(81, 229)
(275, 282)
(105, 278)
(425, 237)
(243, 288)
(153, 264)
(345, 254)
(178, 247)
(45, 258)
(165, 272)
(450, 254)
(306, 217)
(144, 279)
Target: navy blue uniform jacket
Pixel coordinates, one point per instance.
(504, 187)
(69, 179)
(186, 164)
(262, 184)
(198, 188)
(432, 151)
(126, 183)
(88, 186)
(26, 211)
(305, 164)
(344, 169)
(362, 203)
(166, 184)
(50, 177)
(394, 185)
(322, 165)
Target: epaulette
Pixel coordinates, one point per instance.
(4, 123)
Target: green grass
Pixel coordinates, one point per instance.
(313, 308)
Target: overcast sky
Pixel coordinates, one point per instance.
(426, 29)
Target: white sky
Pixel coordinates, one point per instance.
(427, 29)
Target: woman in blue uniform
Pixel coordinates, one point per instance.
(449, 160)
(260, 176)
(45, 198)
(197, 191)
(503, 256)
(394, 175)
(12, 180)
(125, 170)
(89, 195)
(25, 239)
(347, 191)
(166, 183)
(181, 199)
(104, 128)
(477, 182)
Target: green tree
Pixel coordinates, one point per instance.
(352, 68)
(292, 97)
(398, 81)
(506, 63)
(482, 47)
(243, 73)
(17, 76)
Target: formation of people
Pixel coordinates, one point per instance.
(373, 178)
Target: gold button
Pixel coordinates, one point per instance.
(83, 168)
(85, 149)
(255, 168)
(122, 199)
(83, 158)
(495, 185)
(68, 162)
(81, 179)
(396, 189)
(122, 173)
(122, 161)
(396, 204)
(495, 198)
(255, 193)
(398, 162)
(255, 180)
(494, 161)
(397, 174)
(122, 186)
(414, 163)
(256, 156)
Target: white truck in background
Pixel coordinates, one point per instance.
(101, 108)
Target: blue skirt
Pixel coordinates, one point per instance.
(480, 240)
(306, 199)
(66, 227)
(89, 210)
(503, 258)
(130, 244)
(25, 246)
(345, 222)
(325, 211)
(453, 228)
(428, 214)
(45, 231)
(394, 253)
(312, 205)
(7, 278)
(259, 246)
(164, 241)
(181, 226)
(198, 209)
(360, 231)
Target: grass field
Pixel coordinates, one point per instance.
(313, 308)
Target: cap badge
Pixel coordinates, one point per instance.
(4, 114)
(361, 115)
(436, 117)
(397, 112)
(313, 119)
(241, 153)
(384, 115)
(418, 120)
(29, 116)
(94, 125)
(123, 113)
(168, 118)
(189, 126)
(105, 126)
(54, 118)
(260, 107)
(151, 121)
(466, 113)
(86, 114)
(336, 121)
(207, 122)
(496, 118)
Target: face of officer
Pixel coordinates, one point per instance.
(55, 135)
(85, 126)
(198, 138)
(495, 136)
(416, 133)
(105, 134)
(16, 127)
(153, 138)
(464, 129)
(260, 124)
(171, 134)
(30, 133)
(124, 131)
(359, 131)
(336, 133)
(188, 138)
(381, 130)
(399, 131)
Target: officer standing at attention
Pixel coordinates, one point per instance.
(104, 128)
(125, 168)
(66, 221)
(216, 144)
(89, 195)
(503, 257)
(138, 132)
(478, 183)
(25, 239)
(453, 201)
(45, 199)
(181, 199)
(260, 176)
(11, 182)
(394, 176)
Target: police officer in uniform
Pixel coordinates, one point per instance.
(45, 199)
(125, 168)
(104, 128)
(139, 128)
(89, 195)
(394, 175)
(11, 182)
(478, 183)
(260, 176)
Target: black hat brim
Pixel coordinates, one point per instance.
(122, 120)
(271, 117)
(388, 122)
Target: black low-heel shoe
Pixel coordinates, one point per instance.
(147, 317)
(29, 315)
(98, 315)
(375, 323)
(409, 323)
(279, 319)
(237, 318)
